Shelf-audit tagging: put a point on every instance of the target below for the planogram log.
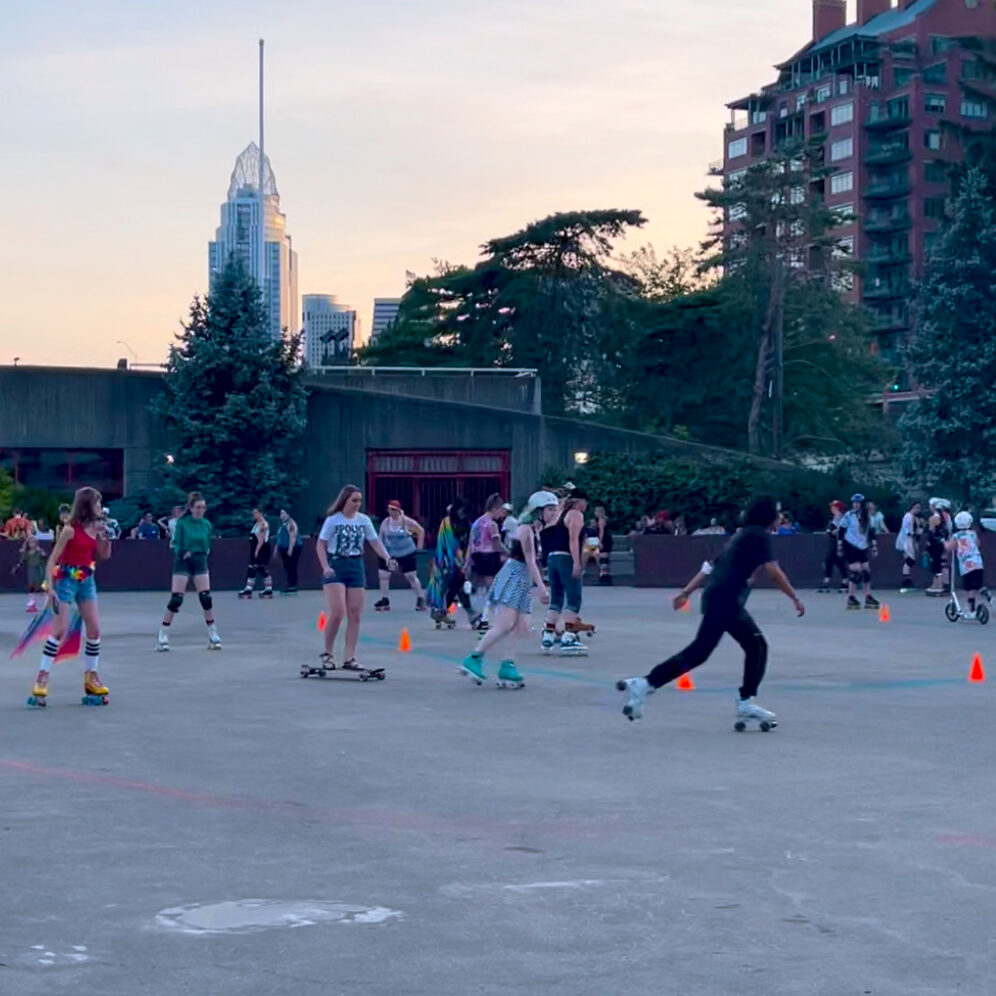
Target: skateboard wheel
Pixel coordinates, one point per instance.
(740, 726)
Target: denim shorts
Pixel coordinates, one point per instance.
(564, 586)
(348, 571)
(193, 565)
(70, 589)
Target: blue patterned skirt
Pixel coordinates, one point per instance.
(513, 587)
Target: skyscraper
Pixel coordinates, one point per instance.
(885, 99)
(329, 331)
(384, 313)
(237, 237)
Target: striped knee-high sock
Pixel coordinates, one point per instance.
(49, 651)
(92, 656)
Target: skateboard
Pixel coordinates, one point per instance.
(363, 673)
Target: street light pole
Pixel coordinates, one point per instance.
(261, 262)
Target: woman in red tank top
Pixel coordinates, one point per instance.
(70, 579)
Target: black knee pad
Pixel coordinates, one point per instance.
(205, 597)
(866, 575)
(909, 562)
(175, 601)
(854, 575)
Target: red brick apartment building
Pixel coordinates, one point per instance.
(875, 95)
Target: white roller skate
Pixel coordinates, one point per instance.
(214, 641)
(638, 689)
(549, 640)
(162, 642)
(748, 711)
(571, 646)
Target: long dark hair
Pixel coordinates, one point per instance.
(863, 518)
(340, 503)
(85, 504)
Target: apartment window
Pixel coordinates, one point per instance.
(935, 103)
(898, 107)
(935, 172)
(932, 139)
(844, 215)
(844, 246)
(933, 207)
(736, 148)
(929, 241)
(735, 177)
(938, 44)
(842, 113)
(758, 117)
(902, 75)
(936, 74)
(797, 195)
(800, 102)
(841, 182)
(844, 85)
(843, 149)
(971, 70)
(736, 212)
(823, 93)
(797, 164)
(974, 109)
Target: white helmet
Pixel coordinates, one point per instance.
(963, 520)
(543, 499)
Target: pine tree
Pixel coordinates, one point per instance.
(950, 432)
(234, 407)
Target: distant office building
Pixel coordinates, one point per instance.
(384, 313)
(330, 330)
(238, 237)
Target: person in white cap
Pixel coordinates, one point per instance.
(511, 595)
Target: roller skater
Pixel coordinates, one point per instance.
(964, 544)
(260, 553)
(832, 559)
(191, 544)
(562, 547)
(484, 550)
(340, 548)
(939, 530)
(510, 596)
(289, 545)
(856, 545)
(70, 578)
(447, 581)
(726, 592)
(401, 536)
(907, 544)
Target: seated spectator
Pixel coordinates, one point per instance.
(786, 527)
(713, 529)
(146, 528)
(661, 524)
(17, 527)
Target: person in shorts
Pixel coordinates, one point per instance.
(340, 549)
(965, 544)
(401, 536)
(484, 549)
(190, 545)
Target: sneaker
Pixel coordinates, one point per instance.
(638, 689)
(473, 667)
(749, 709)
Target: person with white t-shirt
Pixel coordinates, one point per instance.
(340, 548)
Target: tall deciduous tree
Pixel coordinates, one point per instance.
(950, 432)
(233, 404)
(546, 297)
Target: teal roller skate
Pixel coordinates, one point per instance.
(509, 677)
(473, 667)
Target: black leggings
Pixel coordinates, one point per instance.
(833, 559)
(743, 629)
(455, 592)
(290, 559)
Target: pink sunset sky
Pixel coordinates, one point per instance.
(398, 132)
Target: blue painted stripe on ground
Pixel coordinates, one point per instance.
(783, 685)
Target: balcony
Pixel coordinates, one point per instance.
(889, 223)
(888, 122)
(884, 291)
(886, 256)
(886, 155)
(883, 190)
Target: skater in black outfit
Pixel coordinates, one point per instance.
(260, 553)
(726, 591)
(833, 558)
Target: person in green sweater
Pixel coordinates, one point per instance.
(191, 544)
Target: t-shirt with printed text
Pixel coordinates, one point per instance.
(345, 537)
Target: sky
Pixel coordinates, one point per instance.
(399, 131)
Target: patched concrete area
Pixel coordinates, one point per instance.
(226, 827)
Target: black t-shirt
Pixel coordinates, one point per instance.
(744, 554)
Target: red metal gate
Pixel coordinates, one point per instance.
(426, 481)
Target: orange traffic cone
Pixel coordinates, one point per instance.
(452, 609)
(405, 643)
(883, 613)
(977, 673)
(685, 683)
(321, 622)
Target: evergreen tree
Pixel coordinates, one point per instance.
(233, 405)
(950, 431)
